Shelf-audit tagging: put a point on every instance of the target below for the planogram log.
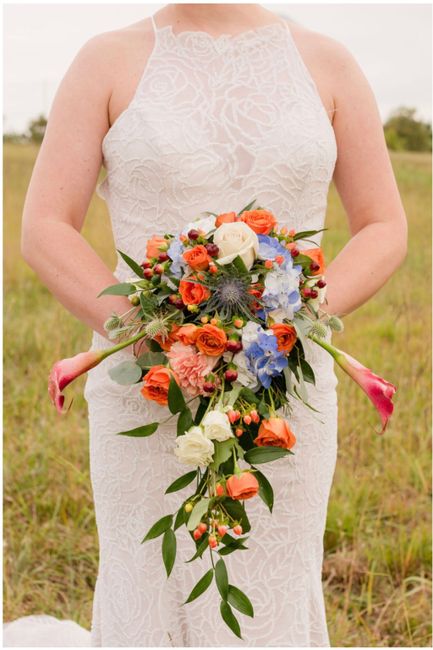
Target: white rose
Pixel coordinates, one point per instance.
(235, 239)
(216, 426)
(193, 448)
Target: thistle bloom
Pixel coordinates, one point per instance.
(379, 391)
(66, 370)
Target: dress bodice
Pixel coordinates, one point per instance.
(214, 123)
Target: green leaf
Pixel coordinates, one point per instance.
(247, 207)
(249, 396)
(126, 373)
(201, 410)
(307, 233)
(197, 513)
(263, 408)
(200, 587)
(180, 517)
(169, 550)
(307, 371)
(176, 401)
(232, 548)
(238, 599)
(239, 264)
(184, 421)
(132, 265)
(265, 454)
(141, 432)
(230, 619)
(223, 451)
(150, 359)
(148, 303)
(120, 289)
(159, 527)
(154, 346)
(265, 491)
(221, 578)
(201, 547)
(236, 510)
(181, 482)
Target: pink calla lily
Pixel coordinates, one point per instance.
(379, 391)
(66, 370)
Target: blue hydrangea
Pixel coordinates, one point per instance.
(264, 358)
(270, 248)
(175, 252)
(281, 297)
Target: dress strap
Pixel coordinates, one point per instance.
(153, 25)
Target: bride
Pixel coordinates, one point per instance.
(204, 107)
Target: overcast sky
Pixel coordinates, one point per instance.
(391, 42)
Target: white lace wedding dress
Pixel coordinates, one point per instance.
(214, 123)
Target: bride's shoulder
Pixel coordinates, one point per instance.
(321, 50)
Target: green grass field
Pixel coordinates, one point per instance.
(378, 541)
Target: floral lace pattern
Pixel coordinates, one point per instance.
(214, 123)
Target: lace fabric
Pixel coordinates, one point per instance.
(213, 124)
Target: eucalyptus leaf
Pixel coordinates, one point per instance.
(169, 550)
(141, 432)
(200, 587)
(238, 599)
(181, 482)
(221, 578)
(120, 289)
(132, 265)
(258, 455)
(126, 373)
(229, 618)
(176, 401)
(197, 513)
(307, 233)
(159, 527)
(150, 359)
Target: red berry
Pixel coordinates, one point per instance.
(148, 273)
(306, 292)
(172, 298)
(233, 416)
(247, 419)
(230, 375)
(313, 293)
(212, 249)
(163, 257)
(202, 527)
(314, 266)
(179, 304)
(212, 541)
(146, 264)
(208, 387)
(197, 534)
(237, 530)
(239, 432)
(294, 252)
(279, 259)
(232, 345)
(222, 530)
(159, 268)
(255, 416)
(219, 490)
(193, 234)
(321, 284)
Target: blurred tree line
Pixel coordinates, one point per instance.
(403, 130)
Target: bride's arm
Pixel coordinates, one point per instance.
(365, 181)
(61, 187)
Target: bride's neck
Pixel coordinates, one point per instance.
(221, 16)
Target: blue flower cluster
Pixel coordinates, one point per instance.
(264, 358)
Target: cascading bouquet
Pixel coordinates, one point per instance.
(225, 309)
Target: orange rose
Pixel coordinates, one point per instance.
(316, 254)
(211, 340)
(286, 336)
(261, 221)
(156, 383)
(153, 246)
(198, 258)
(275, 432)
(225, 217)
(169, 340)
(242, 486)
(186, 334)
(193, 293)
